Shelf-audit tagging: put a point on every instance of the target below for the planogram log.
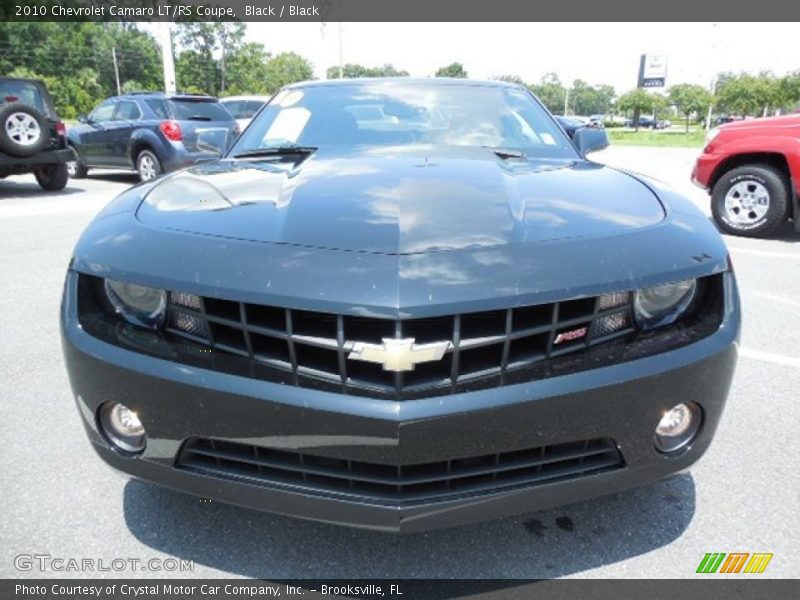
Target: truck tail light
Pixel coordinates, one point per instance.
(60, 128)
(171, 130)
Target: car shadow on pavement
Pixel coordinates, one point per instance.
(544, 544)
(786, 233)
(9, 190)
(115, 176)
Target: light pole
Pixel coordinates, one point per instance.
(341, 53)
(714, 75)
(168, 61)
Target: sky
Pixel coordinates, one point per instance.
(595, 52)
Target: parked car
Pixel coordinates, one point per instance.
(573, 124)
(648, 123)
(598, 120)
(151, 133)
(751, 169)
(244, 108)
(399, 329)
(31, 134)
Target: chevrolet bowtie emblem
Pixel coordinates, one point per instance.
(398, 355)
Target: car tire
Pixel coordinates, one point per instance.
(752, 201)
(24, 131)
(52, 177)
(76, 168)
(148, 166)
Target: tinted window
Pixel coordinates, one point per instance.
(403, 113)
(243, 109)
(104, 112)
(159, 107)
(233, 106)
(199, 110)
(254, 106)
(26, 92)
(127, 111)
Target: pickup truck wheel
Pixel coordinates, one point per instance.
(23, 130)
(148, 165)
(76, 168)
(52, 177)
(752, 200)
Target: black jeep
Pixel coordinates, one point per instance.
(32, 139)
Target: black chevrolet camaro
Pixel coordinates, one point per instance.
(400, 305)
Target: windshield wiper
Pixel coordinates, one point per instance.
(506, 153)
(287, 150)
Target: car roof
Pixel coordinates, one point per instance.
(437, 81)
(171, 95)
(28, 79)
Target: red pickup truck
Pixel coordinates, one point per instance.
(751, 169)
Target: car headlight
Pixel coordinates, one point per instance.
(663, 304)
(137, 304)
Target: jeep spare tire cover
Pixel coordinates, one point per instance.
(24, 131)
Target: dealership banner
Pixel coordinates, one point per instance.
(398, 589)
(398, 10)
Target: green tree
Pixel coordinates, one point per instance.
(690, 100)
(75, 59)
(636, 101)
(197, 72)
(353, 71)
(747, 94)
(591, 99)
(455, 70)
(510, 79)
(551, 93)
(201, 42)
(789, 90)
(286, 68)
(247, 70)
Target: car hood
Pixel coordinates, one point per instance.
(762, 123)
(410, 201)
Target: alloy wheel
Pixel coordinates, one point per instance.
(746, 202)
(23, 129)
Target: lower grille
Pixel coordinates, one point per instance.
(400, 484)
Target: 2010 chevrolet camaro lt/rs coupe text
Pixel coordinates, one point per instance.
(401, 305)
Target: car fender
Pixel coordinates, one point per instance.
(74, 140)
(786, 145)
(141, 138)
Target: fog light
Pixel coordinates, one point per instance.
(678, 427)
(121, 427)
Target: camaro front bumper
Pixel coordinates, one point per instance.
(623, 403)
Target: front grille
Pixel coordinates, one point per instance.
(400, 484)
(306, 344)
(485, 349)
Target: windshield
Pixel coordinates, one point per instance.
(401, 113)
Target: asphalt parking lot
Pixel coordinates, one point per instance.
(57, 498)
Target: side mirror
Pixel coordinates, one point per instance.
(83, 119)
(589, 139)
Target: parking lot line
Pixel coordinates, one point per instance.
(770, 357)
(770, 253)
(780, 299)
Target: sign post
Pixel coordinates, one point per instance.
(652, 71)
